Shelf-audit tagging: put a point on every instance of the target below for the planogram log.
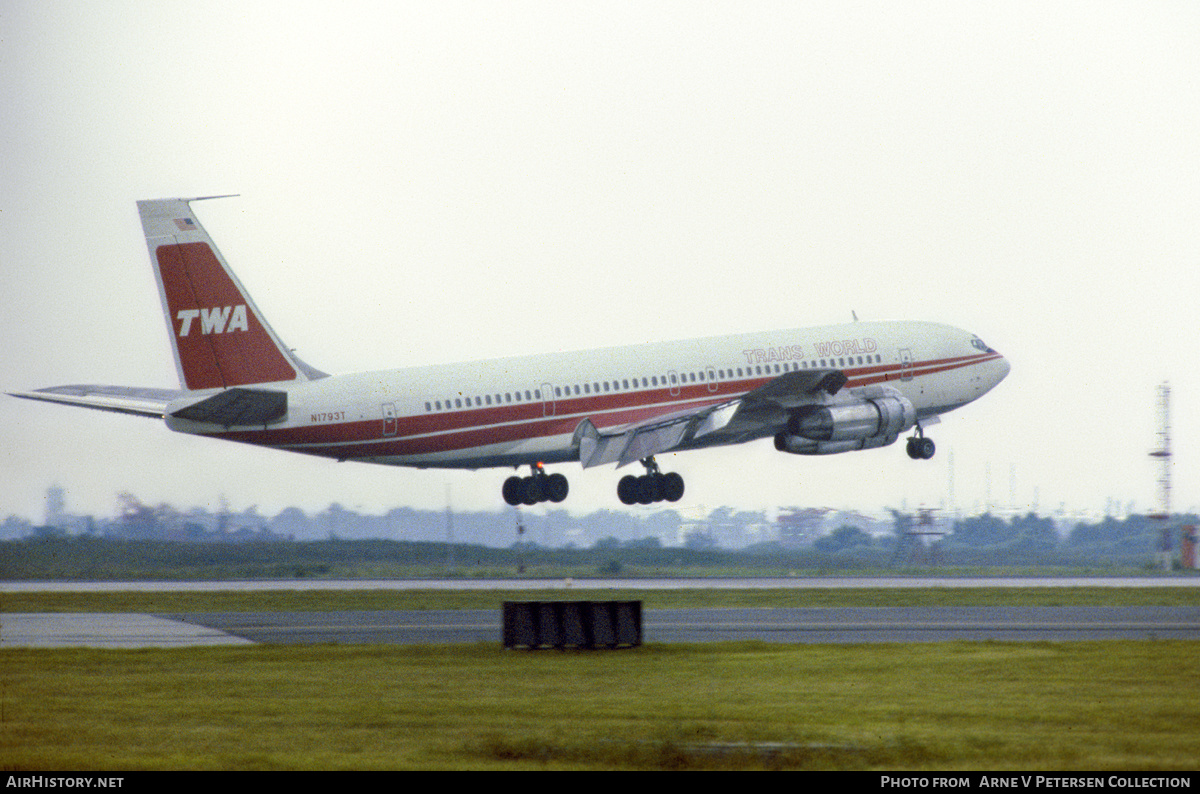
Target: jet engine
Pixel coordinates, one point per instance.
(873, 419)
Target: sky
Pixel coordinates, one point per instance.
(437, 182)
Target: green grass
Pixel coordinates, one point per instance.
(949, 706)
(330, 600)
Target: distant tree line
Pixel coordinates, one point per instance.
(838, 539)
(1022, 540)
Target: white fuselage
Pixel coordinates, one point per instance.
(525, 410)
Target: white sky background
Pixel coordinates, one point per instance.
(425, 182)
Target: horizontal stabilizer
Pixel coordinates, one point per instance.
(238, 407)
(120, 399)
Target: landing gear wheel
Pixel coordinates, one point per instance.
(514, 491)
(538, 487)
(651, 487)
(556, 488)
(920, 448)
(671, 487)
(627, 489)
(533, 490)
(648, 489)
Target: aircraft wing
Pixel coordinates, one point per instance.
(793, 389)
(121, 399)
(764, 407)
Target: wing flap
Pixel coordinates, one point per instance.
(636, 443)
(596, 449)
(650, 441)
(119, 399)
(624, 445)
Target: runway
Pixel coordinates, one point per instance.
(801, 625)
(798, 625)
(106, 630)
(682, 583)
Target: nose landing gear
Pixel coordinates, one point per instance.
(653, 486)
(919, 447)
(538, 487)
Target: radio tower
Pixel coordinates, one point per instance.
(1163, 453)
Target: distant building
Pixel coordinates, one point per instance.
(800, 526)
(56, 507)
(59, 519)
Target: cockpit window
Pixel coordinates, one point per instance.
(978, 344)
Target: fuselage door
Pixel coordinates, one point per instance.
(389, 419)
(906, 363)
(547, 400)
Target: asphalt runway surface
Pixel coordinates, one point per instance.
(681, 583)
(804, 625)
(792, 625)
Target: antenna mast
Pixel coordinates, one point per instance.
(1163, 453)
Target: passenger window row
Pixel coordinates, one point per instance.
(653, 381)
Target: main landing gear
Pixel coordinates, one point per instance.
(539, 487)
(653, 486)
(919, 447)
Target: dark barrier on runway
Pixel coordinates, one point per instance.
(572, 624)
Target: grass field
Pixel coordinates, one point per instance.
(922, 706)
(952, 706)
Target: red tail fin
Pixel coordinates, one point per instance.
(219, 337)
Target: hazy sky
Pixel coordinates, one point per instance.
(425, 182)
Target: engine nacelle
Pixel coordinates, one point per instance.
(872, 420)
(799, 445)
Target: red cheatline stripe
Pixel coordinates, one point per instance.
(458, 430)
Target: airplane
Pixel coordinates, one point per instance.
(815, 391)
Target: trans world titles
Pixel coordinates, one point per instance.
(842, 347)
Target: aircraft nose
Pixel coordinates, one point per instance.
(1002, 368)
